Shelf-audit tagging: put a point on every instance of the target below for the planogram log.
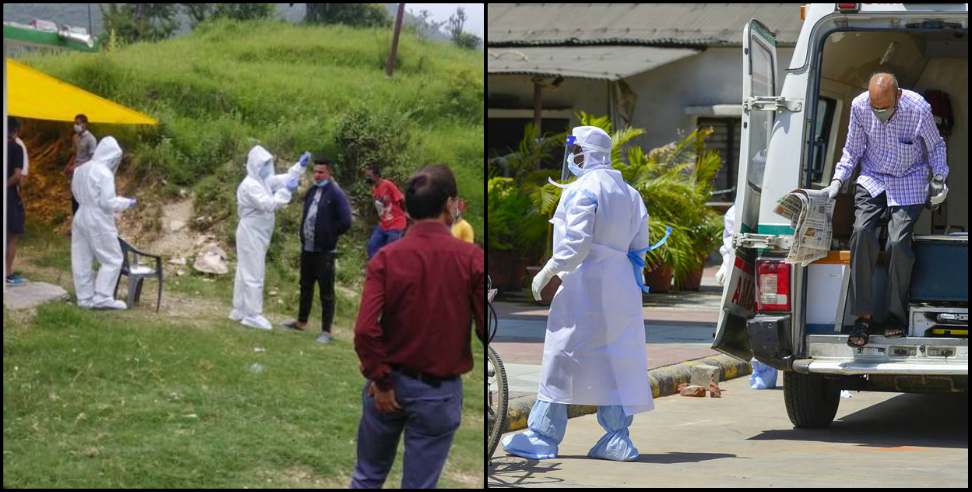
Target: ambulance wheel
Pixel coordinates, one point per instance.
(811, 400)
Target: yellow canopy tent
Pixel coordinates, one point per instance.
(34, 94)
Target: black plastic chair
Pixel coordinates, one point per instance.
(136, 273)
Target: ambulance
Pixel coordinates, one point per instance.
(797, 318)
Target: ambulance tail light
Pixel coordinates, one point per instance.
(772, 285)
(848, 8)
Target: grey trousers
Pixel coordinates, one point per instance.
(865, 248)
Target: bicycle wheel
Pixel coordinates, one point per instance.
(497, 399)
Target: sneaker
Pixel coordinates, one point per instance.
(258, 322)
(111, 304)
(292, 324)
(323, 338)
(14, 280)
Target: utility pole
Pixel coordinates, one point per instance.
(390, 65)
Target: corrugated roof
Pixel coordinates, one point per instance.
(674, 25)
(593, 62)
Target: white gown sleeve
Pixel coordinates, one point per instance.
(578, 232)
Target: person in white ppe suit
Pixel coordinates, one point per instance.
(594, 350)
(93, 232)
(726, 249)
(259, 195)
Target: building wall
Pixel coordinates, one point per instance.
(712, 77)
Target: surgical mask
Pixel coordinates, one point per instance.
(883, 115)
(78, 128)
(266, 171)
(321, 183)
(574, 168)
(370, 180)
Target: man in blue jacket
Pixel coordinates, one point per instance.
(326, 216)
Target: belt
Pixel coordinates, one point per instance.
(421, 376)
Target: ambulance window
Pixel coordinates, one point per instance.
(761, 122)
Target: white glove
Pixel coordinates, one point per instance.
(541, 280)
(379, 206)
(833, 189)
(937, 190)
(722, 273)
(131, 202)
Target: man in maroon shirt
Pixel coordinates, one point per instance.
(413, 337)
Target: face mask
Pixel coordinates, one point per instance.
(574, 168)
(883, 115)
(370, 181)
(321, 183)
(265, 172)
(78, 128)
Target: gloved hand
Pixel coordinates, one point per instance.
(292, 184)
(380, 207)
(304, 159)
(722, 273)
(833, 189)
(937, 190)
(541, 280)
(131, 202)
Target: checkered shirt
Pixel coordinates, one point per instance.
(894, 156)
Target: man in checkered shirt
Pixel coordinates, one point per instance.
(893, 135)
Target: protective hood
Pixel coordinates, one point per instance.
(109, 153)
(596, 144)
(255, 161)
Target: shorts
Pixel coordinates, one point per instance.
(15, 217)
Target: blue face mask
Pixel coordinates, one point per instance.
(322, 183)
(265, 171)
(574, 168)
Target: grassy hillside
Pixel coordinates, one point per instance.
(139, 399)
(230, 85)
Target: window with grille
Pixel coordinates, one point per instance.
(725, 141)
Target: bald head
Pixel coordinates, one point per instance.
(883, 90)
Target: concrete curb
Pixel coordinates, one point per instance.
(664, 380)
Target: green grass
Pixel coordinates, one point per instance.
(136, 399)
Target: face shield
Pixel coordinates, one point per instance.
(573, 158)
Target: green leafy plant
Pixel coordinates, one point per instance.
(514, 224)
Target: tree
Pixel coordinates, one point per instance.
(351, 14)
(134, 22)
(462, 39)
(199, 12)
(425, 26)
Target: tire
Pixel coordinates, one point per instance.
(497, 400)
(811, 400)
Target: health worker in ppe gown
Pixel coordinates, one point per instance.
(93, 232)
(594, 350)
(258, 196)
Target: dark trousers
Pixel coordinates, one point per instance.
(429, 416)
(865, 247)
(319, 268)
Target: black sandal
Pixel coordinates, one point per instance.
(894, 329)
(859, 332)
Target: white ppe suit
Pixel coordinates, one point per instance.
(728, 221)
(257, 198)
(594, 349)
(93, 232)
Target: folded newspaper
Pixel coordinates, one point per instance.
(810, 213)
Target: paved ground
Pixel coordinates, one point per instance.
(745, 439)
(31, 294)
